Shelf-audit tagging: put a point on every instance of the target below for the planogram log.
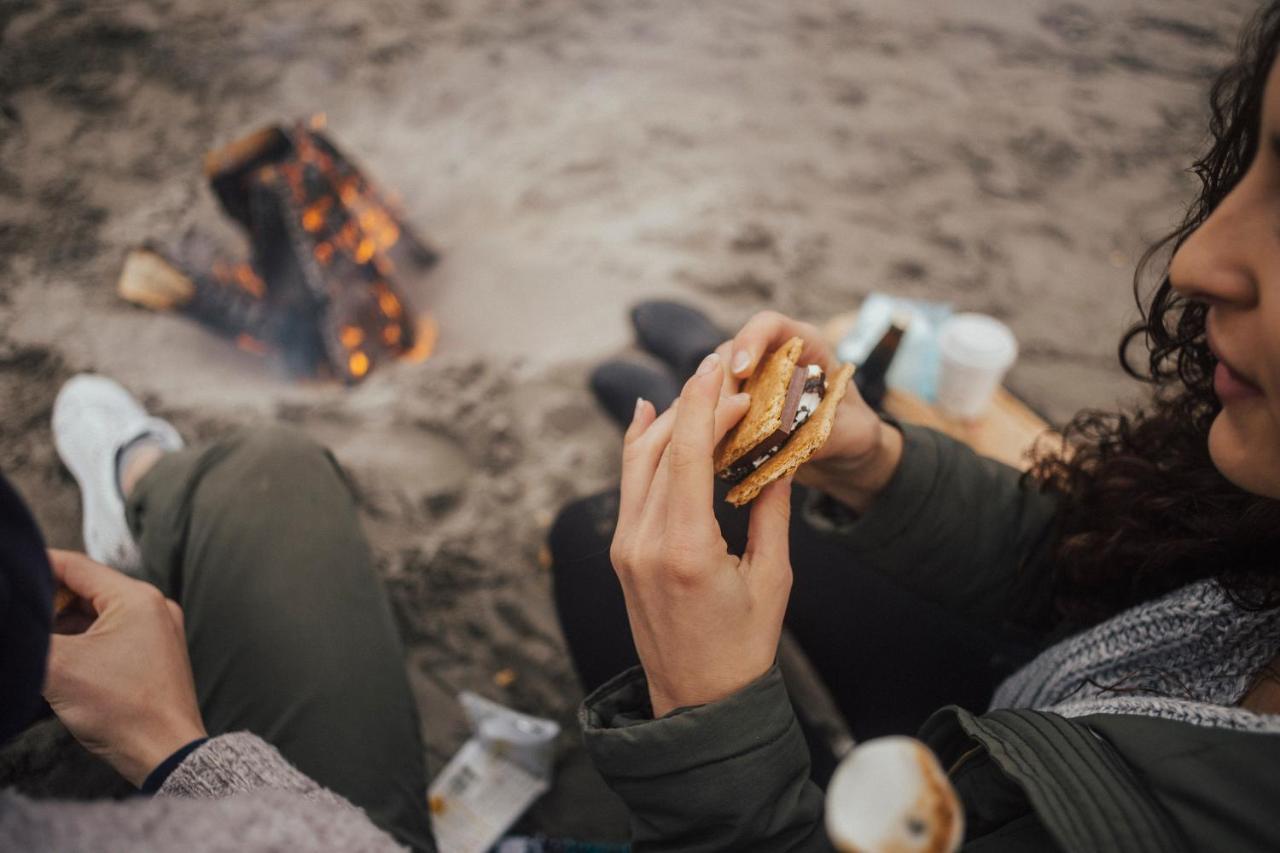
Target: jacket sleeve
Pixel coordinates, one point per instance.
(731, 775)
(956, 528)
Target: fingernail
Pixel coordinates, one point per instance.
(639, 405)
(741, 359)
(709, 364)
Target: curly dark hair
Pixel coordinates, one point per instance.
(1145, 511)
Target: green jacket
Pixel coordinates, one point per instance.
(964, 531)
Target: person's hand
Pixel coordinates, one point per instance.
(123, 687)
(705, 622)
(863, 451)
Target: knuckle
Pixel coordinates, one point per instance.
(682, 467)
(151, 599)
(150, 595)
(684, 454)
(785, 575)
(683, 574)
(620, 555)
(767, 318)
(632, 449)
(678, 458)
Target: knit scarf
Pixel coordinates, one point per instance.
(1190, 656)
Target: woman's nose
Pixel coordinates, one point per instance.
(1218, 263)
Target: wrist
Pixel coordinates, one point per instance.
(154, 747)
(856, 481)
(665, 699)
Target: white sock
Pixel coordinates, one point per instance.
(126, 454)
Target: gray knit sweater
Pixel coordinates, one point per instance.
(1189, 656)
(235, 792)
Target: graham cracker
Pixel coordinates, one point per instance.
(811, 436)
(768, 389)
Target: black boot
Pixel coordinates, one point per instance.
(678, 334)
(618, 382)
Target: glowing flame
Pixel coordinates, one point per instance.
(391, 334)
(365, 250)
(324, 252)
(388, 303)
(313, 216)
(318, 121)
(358, 364)
(425, 340)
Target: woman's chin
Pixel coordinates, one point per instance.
(1245, 448)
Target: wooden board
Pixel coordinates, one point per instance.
(1007, 432)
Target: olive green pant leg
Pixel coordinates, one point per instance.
(290, 634)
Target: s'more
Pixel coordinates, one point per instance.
(789, 418)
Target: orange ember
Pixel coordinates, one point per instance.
(359, 364)
(249, 281)
(388, 303)
(351, 336)
(248, 343)
(313, 216)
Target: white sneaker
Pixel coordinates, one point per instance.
(94, 418)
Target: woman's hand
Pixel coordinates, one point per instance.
(123, 686)
(863, 451)
(705, 622)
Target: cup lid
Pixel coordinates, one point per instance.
(978, 340)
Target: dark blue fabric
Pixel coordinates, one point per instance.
(26, 613)
(156, 777)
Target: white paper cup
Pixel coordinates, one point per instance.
(975, 353)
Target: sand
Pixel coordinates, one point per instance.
(568, 158)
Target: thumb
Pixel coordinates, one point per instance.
(769, 530)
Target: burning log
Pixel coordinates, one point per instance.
(325, 247)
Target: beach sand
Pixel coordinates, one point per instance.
(568, 158)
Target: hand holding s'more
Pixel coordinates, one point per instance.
(706, 622)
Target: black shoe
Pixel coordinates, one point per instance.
(618, 382)
(676, 333)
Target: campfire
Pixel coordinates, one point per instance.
(326, 249)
